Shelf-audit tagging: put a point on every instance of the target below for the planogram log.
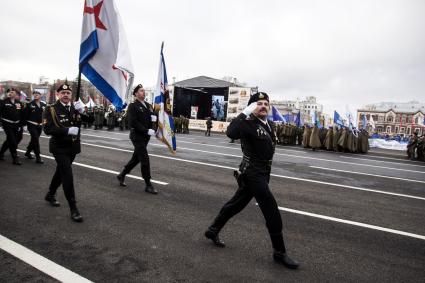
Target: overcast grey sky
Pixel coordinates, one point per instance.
(343, 52)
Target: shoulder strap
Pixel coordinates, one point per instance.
(55, 117)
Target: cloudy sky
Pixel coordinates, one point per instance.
(343, 52)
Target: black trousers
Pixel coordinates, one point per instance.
(35, 132)
(13, 138)
(254, 185)
(63, 176)
(140, 155)
(208, 132)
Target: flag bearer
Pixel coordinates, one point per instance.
(141, 119)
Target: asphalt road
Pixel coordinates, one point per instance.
(347, 218)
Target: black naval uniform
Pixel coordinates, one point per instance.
(34, 117)
(64, 148)
(12, 118)
(258, 141)
(139, 121)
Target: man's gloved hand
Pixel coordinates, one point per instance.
(151, 132)
(250, 108)
(79, 106)
(73, 131)
(25, 128)
(153, 118)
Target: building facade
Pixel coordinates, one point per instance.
(306, 107)
(394, 118)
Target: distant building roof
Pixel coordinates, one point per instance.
(204, 82)
(405, 107)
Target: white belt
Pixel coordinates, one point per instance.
(34, 123)
(10, 121)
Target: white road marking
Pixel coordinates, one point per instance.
(274, 175)
(339, 220)
(102, 169)
(305, 157)
(96, 136)
(196, 143)
(351, 163)
(368, 174)
(391, 162)
(39, 262)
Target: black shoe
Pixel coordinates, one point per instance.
(283, 258)
(1, 157)
(52, 200)
(76, 216)
(39, 160)
(120, 178)
(16, 161)
(213, 236)
(150, 189)
(28, 155)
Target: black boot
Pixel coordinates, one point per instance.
(212, 234)
(16, 161)
(38, 159)
(121, 178)
(150, 189)
(75, 214)
(283, 258)
(29, 155)
(52, 200)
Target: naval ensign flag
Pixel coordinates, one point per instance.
(104, 55)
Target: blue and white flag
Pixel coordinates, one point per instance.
(275, 116)
(165, 131)
(104, 55)
(337, 119)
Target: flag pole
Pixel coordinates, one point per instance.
(77, 97)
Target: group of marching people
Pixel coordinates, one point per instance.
(340, 139)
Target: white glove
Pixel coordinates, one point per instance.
(25, 128)
(79, 106)
(73, 131)
(153, 118)
(151, 132)
(250, 108)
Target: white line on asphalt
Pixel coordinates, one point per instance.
(393, 158)
(392, 162)
(39, 262)
(197, 143)
(398, 232)
(368, 174)
(274, 175)
(351, 163)
(102, 169)
(305, 157)
(96, 136)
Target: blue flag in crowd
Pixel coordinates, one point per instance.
(338, 119)
(276, 116)
(297, 119)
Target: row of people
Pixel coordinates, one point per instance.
(15, 116)
(416, 147)
(340, 139)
